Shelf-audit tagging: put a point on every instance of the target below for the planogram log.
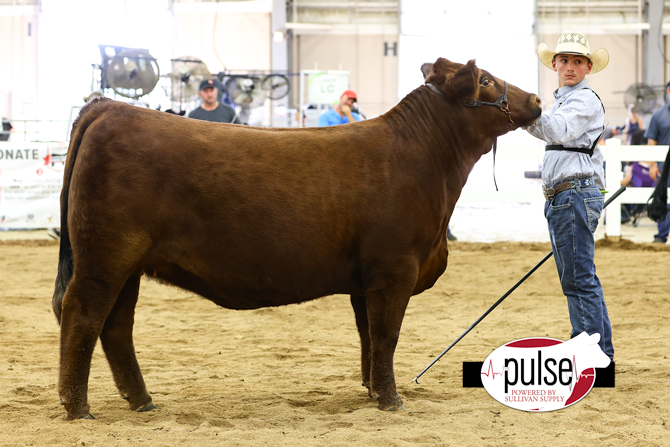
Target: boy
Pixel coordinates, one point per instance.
(573, 178)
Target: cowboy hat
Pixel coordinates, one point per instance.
(574, 43)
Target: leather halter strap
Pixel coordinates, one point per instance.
(436, 90)
(502, 103)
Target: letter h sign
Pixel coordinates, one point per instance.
(393, 48)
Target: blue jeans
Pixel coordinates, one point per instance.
(572, 217)
(664, 225)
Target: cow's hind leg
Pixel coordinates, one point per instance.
(361, 314)
(86, 304)
(386, 309)
(117, 342)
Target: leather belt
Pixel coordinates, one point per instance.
(549, 193)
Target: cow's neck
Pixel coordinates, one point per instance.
(442, 128)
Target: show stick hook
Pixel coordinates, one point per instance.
(616, 194)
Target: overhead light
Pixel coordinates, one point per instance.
(278, 36)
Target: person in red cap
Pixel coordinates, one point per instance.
(211, 109)
(341, 113)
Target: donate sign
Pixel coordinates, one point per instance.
(31, 179)
(327, 87)
(543, 374)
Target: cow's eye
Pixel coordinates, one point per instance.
(485, 82)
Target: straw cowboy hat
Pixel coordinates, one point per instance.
(574, 43)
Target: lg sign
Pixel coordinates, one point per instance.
(543, 374)
(326, 87)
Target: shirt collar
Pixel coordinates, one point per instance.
(560, 92)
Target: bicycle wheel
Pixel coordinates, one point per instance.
(277, 86)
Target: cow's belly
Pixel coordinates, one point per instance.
(236, 283)
(432, 269)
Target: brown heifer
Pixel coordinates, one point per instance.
(251, 217)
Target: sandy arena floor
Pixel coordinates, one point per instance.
(290, 376)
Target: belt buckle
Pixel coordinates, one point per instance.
(583, 183)
(548, 192)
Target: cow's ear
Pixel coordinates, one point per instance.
(437, 74)
(464, 83)
(426, 69)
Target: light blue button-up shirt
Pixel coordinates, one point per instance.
(576, 120)
(332, 118)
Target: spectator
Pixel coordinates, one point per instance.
(609, 132)
(341, 113)
(659, 133)
(211, 109)
(636, 175)
(633, 123)
(5, 130)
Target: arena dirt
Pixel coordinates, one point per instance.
(290, 376)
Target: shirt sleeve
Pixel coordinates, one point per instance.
(652, 131)
(356, 116)
(570, 121)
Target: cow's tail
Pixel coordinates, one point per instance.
(658, 208)
(87, 115)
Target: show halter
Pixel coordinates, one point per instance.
(501, 103)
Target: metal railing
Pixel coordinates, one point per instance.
(48, 131)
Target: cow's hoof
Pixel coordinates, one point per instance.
(148, 407)
(72, 418)
(393, 404)
(367, 385)
(74, 413)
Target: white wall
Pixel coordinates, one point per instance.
(18, 61)
(498, 36)
(241, 39)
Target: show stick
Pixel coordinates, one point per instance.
(609, 200)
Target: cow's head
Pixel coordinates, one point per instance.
(469, 87)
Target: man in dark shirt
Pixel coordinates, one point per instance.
(211, 109)
(659, 133)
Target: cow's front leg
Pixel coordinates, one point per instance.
(386, 309)
(361, 314)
